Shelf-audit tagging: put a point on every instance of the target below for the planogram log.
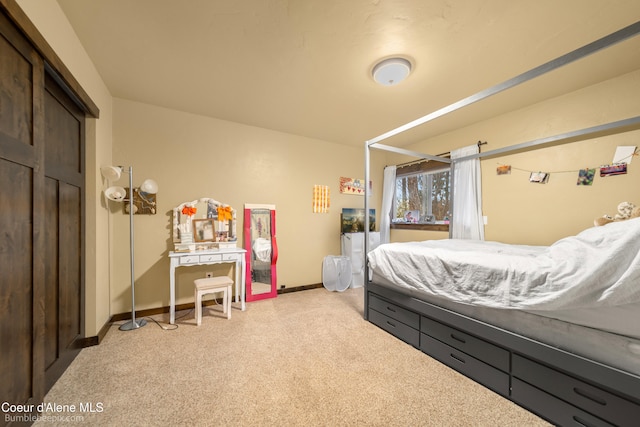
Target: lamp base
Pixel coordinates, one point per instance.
(131, 325)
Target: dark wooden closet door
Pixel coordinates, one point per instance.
(21, 179)
(64, 230)
(41, 223)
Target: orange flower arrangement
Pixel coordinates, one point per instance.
(189, 210)
(224, 213)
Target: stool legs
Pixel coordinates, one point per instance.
(226, 301)
(226, 298)
(198, 298)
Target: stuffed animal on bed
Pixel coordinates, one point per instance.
(626, 210)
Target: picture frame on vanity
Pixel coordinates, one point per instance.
(203, 230)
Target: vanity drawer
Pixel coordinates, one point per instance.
(190, 259)
(579, 393)
(486, 375)
(210, 258)
(230, 257)
(557, 411)
(405, 332)
(480, 349)
(395, 312)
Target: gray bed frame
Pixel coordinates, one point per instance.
(561, 387)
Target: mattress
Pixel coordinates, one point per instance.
(591, 279)
(611, 349)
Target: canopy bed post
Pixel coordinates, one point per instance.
(367, 178)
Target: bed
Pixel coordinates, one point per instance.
(555, 329)
(559, 338)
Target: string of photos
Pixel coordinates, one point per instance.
(621, 158)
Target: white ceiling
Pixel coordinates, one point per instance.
(303, 66)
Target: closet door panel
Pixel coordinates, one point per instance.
(51, 273)
(64, 126)
(16, 291)
(64, 145)
(63, 278)
(16, 91)
(69, 287)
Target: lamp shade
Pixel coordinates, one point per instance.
(116, 194)
(112, 173)
(391, 71)
(149, 186)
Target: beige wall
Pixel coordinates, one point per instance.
(53, 25)
(191, 157)
(526, 213)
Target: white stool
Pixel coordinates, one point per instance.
(212, 285)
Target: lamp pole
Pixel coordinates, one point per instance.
(132, 324)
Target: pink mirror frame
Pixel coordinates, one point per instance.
(248, 244)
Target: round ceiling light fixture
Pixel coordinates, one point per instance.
(391, 71)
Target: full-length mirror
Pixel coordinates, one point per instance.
(262, 251)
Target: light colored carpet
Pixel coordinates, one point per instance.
(303, 359)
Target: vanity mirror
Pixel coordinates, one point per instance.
(262, 251)
(203, 224)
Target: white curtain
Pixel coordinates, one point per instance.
(388, 190)
(467, 221)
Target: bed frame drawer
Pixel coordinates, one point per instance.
(405, 316)
(579, 393)
(554, 409)
(480, 349)
(401, 330)
(486, 375)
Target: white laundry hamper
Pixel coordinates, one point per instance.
(336, 273)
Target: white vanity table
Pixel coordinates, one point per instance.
(204, 233)
(219, 256)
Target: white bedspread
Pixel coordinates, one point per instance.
(598, 267)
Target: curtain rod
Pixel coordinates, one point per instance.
(446, 154)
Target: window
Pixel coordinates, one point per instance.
(421, 197)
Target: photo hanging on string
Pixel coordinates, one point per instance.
(585, 176)
(503, 170)
(539, 177)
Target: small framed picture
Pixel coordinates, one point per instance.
(203, 230)
(412, 217)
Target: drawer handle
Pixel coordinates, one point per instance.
(582, 422)
(391, 309)
(457, 338)
(391, 324)
(590, 396)
(459, 359)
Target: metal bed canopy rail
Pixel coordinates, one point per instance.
(620, 126)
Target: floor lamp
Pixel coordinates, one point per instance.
(118, 194)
